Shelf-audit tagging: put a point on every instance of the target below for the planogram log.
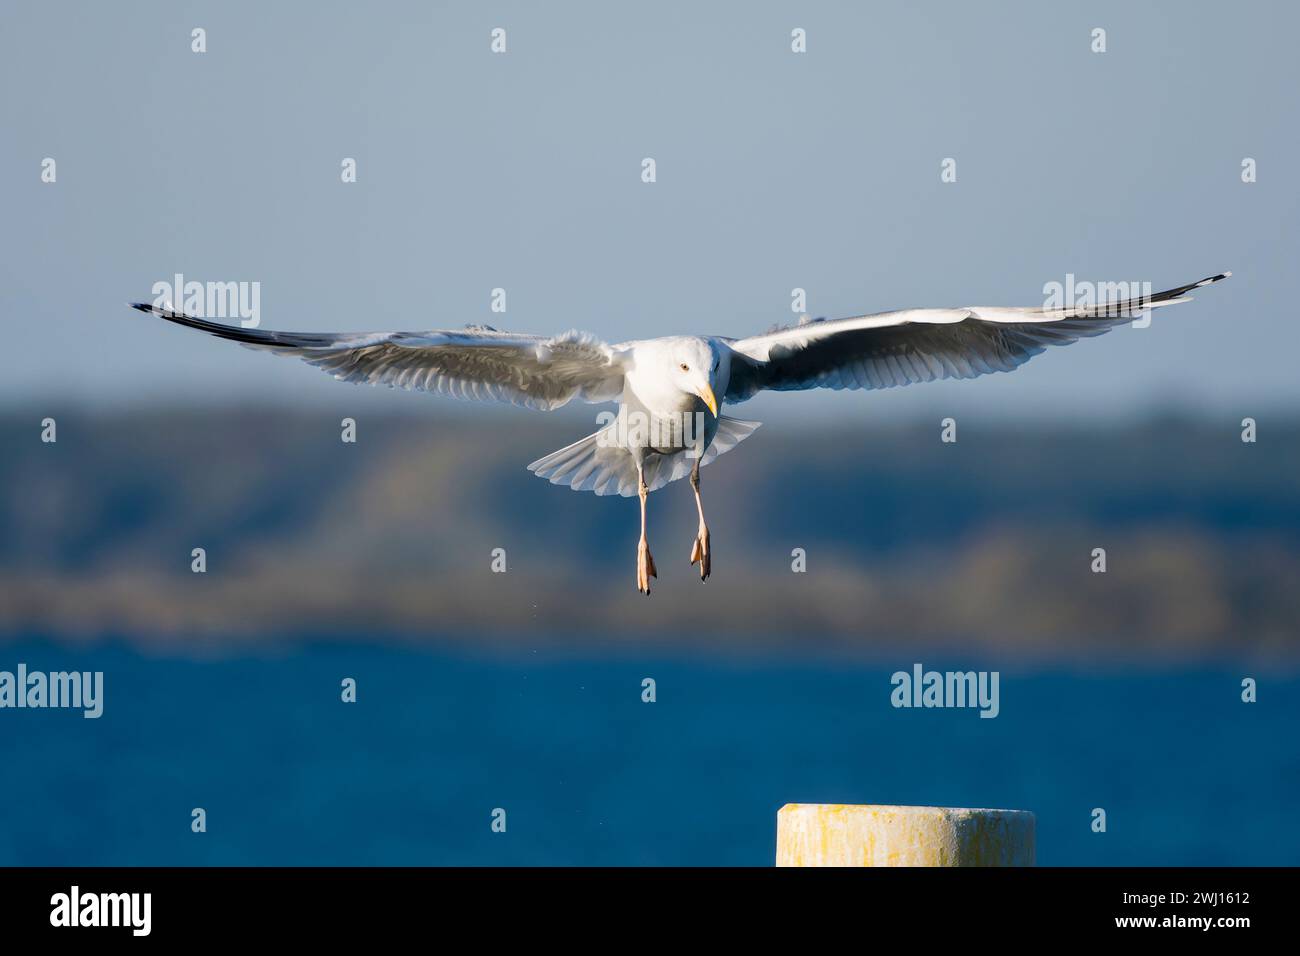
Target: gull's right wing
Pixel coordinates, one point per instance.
(475, 363)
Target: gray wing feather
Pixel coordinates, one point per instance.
(476, 363)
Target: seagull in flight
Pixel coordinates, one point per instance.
(664, 386)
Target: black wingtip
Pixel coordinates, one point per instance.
(231, 332)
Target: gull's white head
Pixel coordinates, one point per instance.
(698, 364)
(694, 364)
(670, 369)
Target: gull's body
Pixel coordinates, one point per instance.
(664, 386)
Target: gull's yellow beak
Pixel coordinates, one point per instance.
(706, 393)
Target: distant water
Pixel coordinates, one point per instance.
(589, 774)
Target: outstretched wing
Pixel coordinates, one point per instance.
(475, 363)
(921, 345)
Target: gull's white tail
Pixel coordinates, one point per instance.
(606, 469)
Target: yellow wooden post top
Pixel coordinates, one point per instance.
(830, 834)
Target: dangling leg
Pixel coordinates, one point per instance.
(700, 552)
(645, 564)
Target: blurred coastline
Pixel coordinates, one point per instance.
(985, 545)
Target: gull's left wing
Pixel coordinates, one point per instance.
(476, 363)
(921, 345)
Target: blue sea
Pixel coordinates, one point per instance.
(586, 772)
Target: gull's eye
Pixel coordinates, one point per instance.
(685, 367)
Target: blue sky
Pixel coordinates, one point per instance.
(775, 170)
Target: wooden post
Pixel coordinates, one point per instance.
(826, 834)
